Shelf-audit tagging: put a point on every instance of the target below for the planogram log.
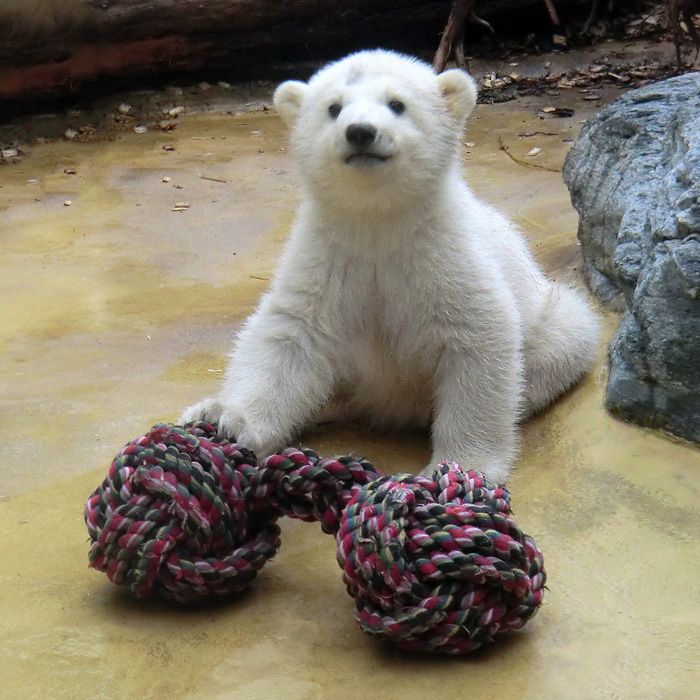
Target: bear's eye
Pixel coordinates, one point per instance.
(397, 107)
(334, 110)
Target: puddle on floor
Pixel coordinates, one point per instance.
(118, 311)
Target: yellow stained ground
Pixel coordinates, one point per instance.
(117, 312)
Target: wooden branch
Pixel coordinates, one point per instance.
(683, 10)
(452, 41)
(552, 13)
(591, 18)
(454, 32)
(673, 18)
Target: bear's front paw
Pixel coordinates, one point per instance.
(259, 438)
(208, 410)
(232, 425)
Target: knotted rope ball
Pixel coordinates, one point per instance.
(434, 564)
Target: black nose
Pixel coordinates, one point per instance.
(360, 134)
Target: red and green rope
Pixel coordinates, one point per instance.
(434, 564)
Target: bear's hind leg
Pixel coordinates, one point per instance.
(560, 347)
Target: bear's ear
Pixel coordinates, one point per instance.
(459, 91)
(288, 98)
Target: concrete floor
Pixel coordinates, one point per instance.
(117, 312)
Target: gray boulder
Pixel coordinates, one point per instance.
(634, 178)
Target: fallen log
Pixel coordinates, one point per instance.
(56, 46)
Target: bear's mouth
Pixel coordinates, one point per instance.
(365, 159)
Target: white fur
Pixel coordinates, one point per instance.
(400, 297)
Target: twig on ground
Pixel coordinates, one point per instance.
(504, 148)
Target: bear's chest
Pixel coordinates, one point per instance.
(386, 310)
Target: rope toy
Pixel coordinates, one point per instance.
(434, 564)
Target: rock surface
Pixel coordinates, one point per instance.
(634, 178)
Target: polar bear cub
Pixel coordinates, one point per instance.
(400, 297)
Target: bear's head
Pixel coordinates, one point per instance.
(376, 129)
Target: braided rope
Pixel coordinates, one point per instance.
(433, 564)
(438, 564)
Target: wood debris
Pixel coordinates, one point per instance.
(559, 112)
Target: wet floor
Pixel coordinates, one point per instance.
(118, 303)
